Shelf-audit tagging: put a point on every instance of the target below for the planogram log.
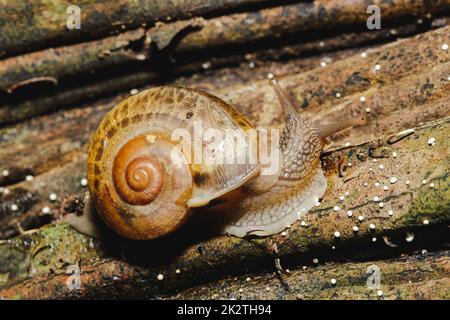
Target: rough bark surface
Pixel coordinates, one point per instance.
(45, 22)
(418, 210)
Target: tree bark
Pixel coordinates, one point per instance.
(134, 47)
(45, 23)
(61, 63)
(418, 210)
(422, 276)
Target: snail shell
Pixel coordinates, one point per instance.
(136, 185)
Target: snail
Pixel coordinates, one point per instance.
(143, 186)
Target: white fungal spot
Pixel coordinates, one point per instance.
(5, 173)
(431, 141)
(206, 65)
(361, 218)
(251, 65)
(424, 251)
(381, 166)
(315, 261)
(333, 282)
(355, 229)
(341, 198)
(14, 207)
(372, 226)
(270, 76)
(367, 110)
(83, 182)
(337, 234)
(45, 210)
(241, 290)
(29, 177)
(424, 181)
(362, 99)
(407, 182)
(323, 64)
(134, 92)
(347, 144)
(377, 184)
(391, 213)
(432, 185)
(376, 199)
(349, 164)
(52, 197)
(303, 223)
(349, 213)
(141, 57)
(248, 279)
(381, 204)
(178, 271)
(385, 188)
(444, 46)
(267, 288)
(336, 208)
(393, 180)
(377, 67)
(379, 293)
(426, 222)
(394, 154)
(338, 94)
(160, 277)
(283, 234)
(363, 55)
(374, 239)
(409, 237)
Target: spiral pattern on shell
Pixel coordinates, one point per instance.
(138, 180)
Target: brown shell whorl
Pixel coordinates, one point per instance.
(138, 179)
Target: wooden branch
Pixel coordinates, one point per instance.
(68, 61)
(133, 48)
(41, 258)
(423, 276)
(98, 19)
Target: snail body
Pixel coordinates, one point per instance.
(144, 185)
